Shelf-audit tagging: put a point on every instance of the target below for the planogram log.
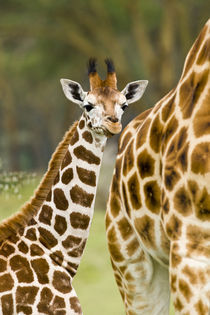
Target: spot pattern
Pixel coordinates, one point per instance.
(134, 190)
(124, 141)
(145, 163)
(57, 257)
(72, 268)
(67, 160)
(61, 282)
(71, 241)
(6, 282)
(201, 308)
(79, 221)
(86, 176)
(41, 269)
(46, 297)
(152, 196)
(185, 290)
(112, 236)
(22, 269)
(204, 53)
(81, 124)
(168, 108)
(115, 205)
(202, 205)
(3, 265)
(128, 159)
(40, 235)
(7, 304)
(160, 191)
(26, 295)
(191, 275)
(169, 131)
(46, 215)
(156, 134)
(31, 234)
(23, 247)
(201, 121)
(24, 309)
(6, 250)
(174, 228)
(171, 177)
(75, 305)
(60, 225)
(50, 305)
(60, 199)
(36, 250)
(87, 136)
(115, 252)
(86, 155)
(175, 257)
(145, 228)
(125, 228)
(74, 138)
(67, 176)
(190, 92)
(46, 238)
(182, 201)
(77, 251)
(81, 197)
(177, 153)
(200, 158)
(142, 133)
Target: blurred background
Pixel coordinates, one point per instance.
(44, 40)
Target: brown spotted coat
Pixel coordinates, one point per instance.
(158, 214)
(42, 245)
(39, 259)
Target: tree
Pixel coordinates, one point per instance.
(42, 41)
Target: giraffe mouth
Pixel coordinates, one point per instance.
(111, 129)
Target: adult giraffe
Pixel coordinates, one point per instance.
(41, 246)
(158, 214)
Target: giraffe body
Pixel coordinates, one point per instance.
(158, 214)
(42, 245)
(45, 255)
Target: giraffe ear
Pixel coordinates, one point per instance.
(134, 90)
(73, 91)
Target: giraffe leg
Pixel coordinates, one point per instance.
(190, 280)
(143, 282)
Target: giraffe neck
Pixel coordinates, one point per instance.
(61, 226)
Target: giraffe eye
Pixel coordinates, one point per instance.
(124, 106)
(88, 107)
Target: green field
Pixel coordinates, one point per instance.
(94, 282)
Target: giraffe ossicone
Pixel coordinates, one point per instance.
(158, 213)
(41, 246)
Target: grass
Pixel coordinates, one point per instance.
(94, 283)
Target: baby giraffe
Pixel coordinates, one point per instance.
(41, 246)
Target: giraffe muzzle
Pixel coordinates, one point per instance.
(112, 127)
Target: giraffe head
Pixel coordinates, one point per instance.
(104, 104)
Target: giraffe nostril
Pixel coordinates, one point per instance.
(113, 119)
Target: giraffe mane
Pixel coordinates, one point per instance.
(20, 219)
